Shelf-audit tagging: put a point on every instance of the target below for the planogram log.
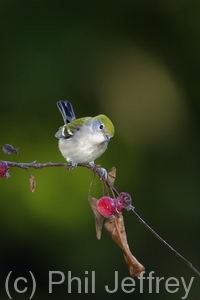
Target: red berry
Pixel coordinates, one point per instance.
(106, 207)
(118, 205)
(4, 169)
(124, 200)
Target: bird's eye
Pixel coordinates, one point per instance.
(101, 126)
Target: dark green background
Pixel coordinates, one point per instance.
(139, 63)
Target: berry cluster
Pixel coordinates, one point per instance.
(108, 207)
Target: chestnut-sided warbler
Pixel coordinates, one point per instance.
(85, 139)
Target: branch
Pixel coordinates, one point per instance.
(4, 165)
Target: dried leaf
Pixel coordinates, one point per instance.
(9, 149)
(118, 233)
(32, 183)
(98, 218)
(112, 175)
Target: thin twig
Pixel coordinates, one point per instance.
(164, 242)
(36, 165)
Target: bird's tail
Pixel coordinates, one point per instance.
(66, 111)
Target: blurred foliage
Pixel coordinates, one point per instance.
(137, 62)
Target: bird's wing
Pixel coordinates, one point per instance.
(67, 131)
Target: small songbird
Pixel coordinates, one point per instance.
(85, 139)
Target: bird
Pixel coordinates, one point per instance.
(84, 139)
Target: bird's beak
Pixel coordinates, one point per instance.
(107, 138)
